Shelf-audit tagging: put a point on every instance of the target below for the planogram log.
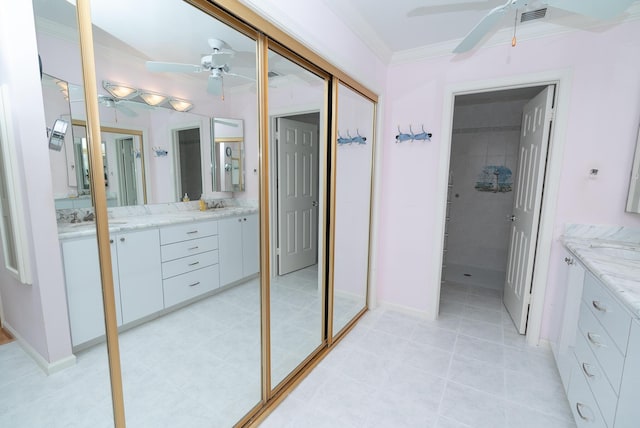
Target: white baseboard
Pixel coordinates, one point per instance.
(46, 366)
(404, 309)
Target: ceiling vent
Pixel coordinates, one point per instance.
(533, 14)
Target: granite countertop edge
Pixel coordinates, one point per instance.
(131, 223)
(621, 278)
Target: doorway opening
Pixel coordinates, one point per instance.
(125, 150)
(497, 165)
(188, 163)
(296, 199)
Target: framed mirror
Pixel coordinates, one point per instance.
(633, 198)
(227, 155)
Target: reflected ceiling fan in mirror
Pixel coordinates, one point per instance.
(596, 9)
(217, 64)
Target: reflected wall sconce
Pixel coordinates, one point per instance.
(152, 98)
(56, 134)
(121, 91)
(180, 105)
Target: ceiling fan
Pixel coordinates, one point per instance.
(215, 63)
(119, 105)
(598, 9)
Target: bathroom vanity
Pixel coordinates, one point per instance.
(597, 343)
(160, 263)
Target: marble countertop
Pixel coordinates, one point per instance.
(129, 223)
(615, 263)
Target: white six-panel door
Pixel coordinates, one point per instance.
(297, 195)
(534, 140)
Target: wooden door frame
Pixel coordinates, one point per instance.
(562, 79)
(273, 167)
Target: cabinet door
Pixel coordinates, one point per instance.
(140, 273)
(250, 245)
(84, 290)
(230, 249)
(566, 315)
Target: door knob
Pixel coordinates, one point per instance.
(512, 217)
(314, 203)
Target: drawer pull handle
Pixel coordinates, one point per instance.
(593, 338)
(596, 304)
(194, 284)
(586, 370)
(191, 232)
(193, 248)
(579, 407)
(193, 264)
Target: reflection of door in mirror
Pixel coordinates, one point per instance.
(188, 162)
(633, 198)
(127, 167)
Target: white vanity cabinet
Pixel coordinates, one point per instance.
(238, 240)
(135, 259)
(84, 288)
(189, 261)
(571, 275)
(602, 338)
(139, 274)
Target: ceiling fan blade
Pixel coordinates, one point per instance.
(175, 67)
(240, 75)
(214, 85)
(125, 110)
(482, 28)
(449, 8)
(597, 9)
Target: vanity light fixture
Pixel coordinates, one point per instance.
(119, 91)
(180, 105)
(152, 98)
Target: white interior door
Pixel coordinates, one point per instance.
(297, 195)
(534, 140)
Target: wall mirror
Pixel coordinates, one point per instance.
(633, 198)
(354, 157)
(227, 155)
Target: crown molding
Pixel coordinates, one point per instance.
(353, 19)
(529, 31)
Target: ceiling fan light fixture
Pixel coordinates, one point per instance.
(152, 98)
(180, 105)
(119, 90)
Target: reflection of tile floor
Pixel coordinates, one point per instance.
(196, 367)
(468, 369)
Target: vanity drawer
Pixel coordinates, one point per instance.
(183, 232)
(188, 264)
(593, 373)
(184, 287)
(613, 317)
(188, 248)
(600, 343)
(583, 405)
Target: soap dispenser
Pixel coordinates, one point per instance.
(185, 198)
(203, 204)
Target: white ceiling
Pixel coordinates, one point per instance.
(389, 29)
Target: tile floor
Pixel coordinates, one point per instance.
(468, 369)
(196, 367)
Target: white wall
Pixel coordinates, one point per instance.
(600, 133)
(38, 312)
